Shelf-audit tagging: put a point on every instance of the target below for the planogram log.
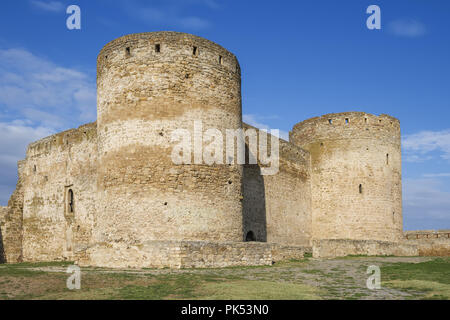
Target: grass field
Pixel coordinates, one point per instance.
(344, 278)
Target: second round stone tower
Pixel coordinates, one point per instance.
(355, 175)
(149, 85)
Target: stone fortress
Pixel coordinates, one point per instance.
(108, 193)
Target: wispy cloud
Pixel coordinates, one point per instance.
(172, 13)
(437, 175)
(46, 97)
(43, 92)
(422, 146)
(51, 6)
(425, 204)
(255, 120)
(407, 28)
(16, 135)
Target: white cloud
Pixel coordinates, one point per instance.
(255, 120)
(170, 13)
(46, 97)
(437, 175)
(407, 28)
(15, 136)
(419, 146)
(52, 6)
(39, 90)
(193, 23)
(426, 205)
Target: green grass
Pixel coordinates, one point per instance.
(261, 290)
(429, 280)
(437, 270)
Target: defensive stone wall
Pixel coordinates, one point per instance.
(277, 208)
(331, 248)
(11, 227)
(190, 254)
(3, 213)
(430, 242)
(59, 190)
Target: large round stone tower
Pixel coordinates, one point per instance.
(149, 85)
(356, 175)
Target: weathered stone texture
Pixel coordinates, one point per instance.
(285, 252)
(330, 248)
(53, 166)
(355, 175)
(430, 242)
(277, 208)
(179, 254)
(11, 229)
(3, 213)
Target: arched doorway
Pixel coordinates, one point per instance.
(250, 236)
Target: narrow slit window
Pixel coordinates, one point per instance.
(128, 51)
(360, 188)
(387, 158)
(365, 120)
(220, 60)
(70, 202)
(346, 120)
(330, 121)
(157, 47)
(195, 51)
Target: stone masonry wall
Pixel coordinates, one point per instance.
(330, 248)
(11, 227)
(179, 254)
(355, 174)
(430, 242)
(3, 213)
(277, 208)
(53, 166)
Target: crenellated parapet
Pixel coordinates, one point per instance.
(346, 125)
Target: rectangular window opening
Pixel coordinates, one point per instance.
(346, 120)
(157, 47)
(195, 51)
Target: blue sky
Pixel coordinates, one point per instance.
(299, 59)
